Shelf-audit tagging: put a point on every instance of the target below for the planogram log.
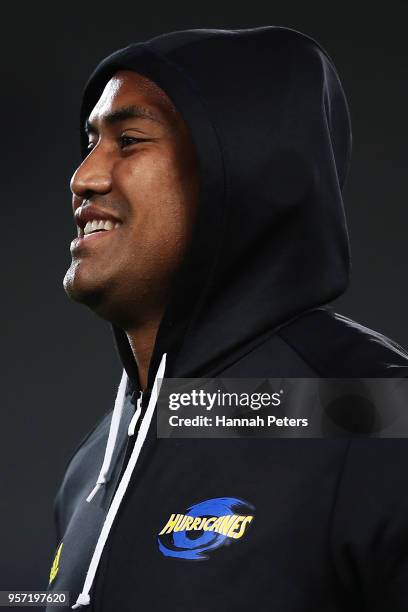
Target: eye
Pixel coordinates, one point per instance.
(124, 141)
(127, 141)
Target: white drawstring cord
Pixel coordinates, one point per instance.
(135, 417)
(113, 432)
(83, 598)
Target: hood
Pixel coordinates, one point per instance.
(271, 126)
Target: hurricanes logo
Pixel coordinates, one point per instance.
(55, 564)
(205, 527)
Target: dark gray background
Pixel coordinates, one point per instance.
(60, 370)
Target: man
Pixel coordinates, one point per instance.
(141, 180)
(212, 236)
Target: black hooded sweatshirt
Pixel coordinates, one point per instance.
(323, 522)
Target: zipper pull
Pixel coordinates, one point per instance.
(135, 417)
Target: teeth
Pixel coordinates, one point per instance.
(99, 224)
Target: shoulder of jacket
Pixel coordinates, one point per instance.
(337, 346)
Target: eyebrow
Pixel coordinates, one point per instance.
(121, 114)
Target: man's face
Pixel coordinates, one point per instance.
(141, 175)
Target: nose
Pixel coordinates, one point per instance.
(92, 177)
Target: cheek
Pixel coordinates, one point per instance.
(154, 172)
(159, 191)
(161, 199)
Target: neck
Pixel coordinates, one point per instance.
(142, 341)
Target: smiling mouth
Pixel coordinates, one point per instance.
(97, 225)
(93, 230)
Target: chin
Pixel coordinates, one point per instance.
(84, 290)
